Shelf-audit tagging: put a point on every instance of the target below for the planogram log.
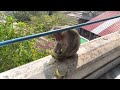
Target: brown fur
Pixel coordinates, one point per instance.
(67, 45)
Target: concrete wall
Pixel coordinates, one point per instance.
(93, 59)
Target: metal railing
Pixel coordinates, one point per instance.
(7, 42)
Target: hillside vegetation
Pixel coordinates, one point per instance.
(20, 53)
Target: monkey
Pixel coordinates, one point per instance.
(68, 43)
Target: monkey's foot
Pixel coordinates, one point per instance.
(59, 74)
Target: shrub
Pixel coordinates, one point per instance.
(24, 16)
(45, 22)
(20, 53)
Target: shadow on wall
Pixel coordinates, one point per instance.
(68, 65)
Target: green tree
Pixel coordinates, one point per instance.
(20, 53)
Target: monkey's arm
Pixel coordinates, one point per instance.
(63, 50)
(56, 50)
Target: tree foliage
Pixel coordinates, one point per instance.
(20, 53)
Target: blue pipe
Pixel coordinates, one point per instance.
(51, 32)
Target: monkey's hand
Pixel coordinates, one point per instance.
(52, 61)
(53, 54)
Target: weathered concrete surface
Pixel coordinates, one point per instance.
(101, 71)
(114, 73)
(91, 56)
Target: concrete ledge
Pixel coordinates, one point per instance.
(92, 56)
(101, 71)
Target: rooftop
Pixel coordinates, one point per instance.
(106, 27)
(83, 40)
(83, 14)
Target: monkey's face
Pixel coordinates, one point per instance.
(58, 36)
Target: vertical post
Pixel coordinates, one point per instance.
(90, 36)
(50, 13)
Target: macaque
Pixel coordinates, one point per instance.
(68, 43)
